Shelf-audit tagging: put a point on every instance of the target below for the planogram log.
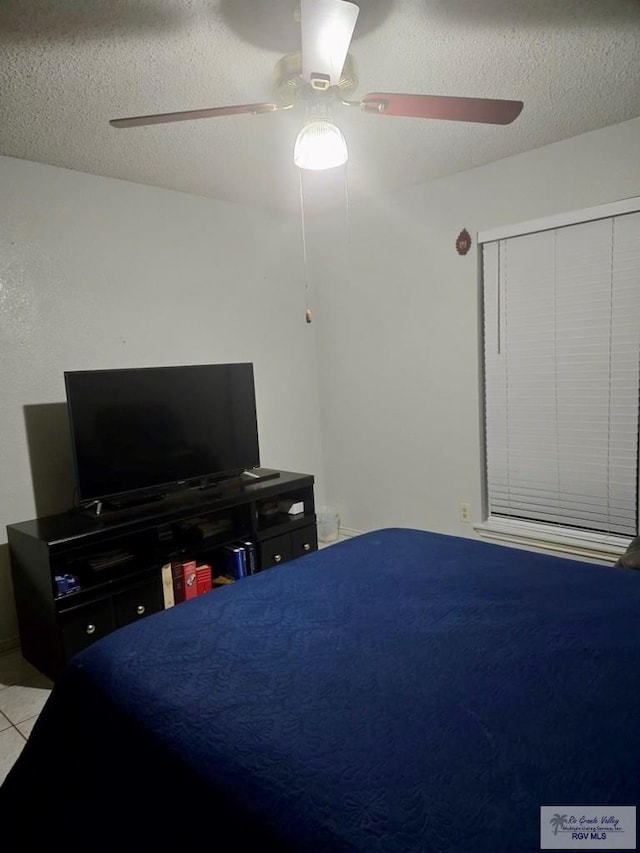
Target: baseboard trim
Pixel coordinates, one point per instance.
(348, 532)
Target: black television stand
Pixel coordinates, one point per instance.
(119, 558)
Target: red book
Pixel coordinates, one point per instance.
(203, 578)
(189, 577)
(178, 582)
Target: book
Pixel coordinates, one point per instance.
(251, 559)
(189, 576)
(167, 586)
(235, 561)
(178, 582)
(203, 579)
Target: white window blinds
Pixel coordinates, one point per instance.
(562, 352)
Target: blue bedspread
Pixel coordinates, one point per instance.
(400, 691)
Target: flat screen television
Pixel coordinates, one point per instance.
(145, 431)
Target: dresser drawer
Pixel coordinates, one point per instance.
(304, 541)
(84, 625)
(275, 551)
(136, 603)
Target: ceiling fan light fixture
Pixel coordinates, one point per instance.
(320, 145)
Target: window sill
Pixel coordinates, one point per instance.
(602, 547)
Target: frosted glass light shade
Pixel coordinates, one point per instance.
(320, 145)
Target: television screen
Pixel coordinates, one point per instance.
(152, 429)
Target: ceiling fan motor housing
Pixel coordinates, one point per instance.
(290, 85)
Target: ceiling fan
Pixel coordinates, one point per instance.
(324, 73)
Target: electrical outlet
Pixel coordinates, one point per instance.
(465, 512)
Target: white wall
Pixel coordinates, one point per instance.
(98, 273)
(102, 273)
(397, 321)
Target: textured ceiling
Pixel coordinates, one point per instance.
(68, 66)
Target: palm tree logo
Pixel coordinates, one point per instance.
(557, 821)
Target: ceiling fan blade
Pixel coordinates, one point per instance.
(327, 29)
(486, 110)
(188, 115)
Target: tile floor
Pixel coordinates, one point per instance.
(23, 692)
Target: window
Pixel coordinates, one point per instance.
(561, 373)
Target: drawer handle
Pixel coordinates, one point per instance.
(306, 547)
(91, 629)
(140, 609)
(277, 558)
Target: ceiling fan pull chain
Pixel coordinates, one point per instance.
(304, 251)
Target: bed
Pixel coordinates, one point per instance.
(398, 691)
